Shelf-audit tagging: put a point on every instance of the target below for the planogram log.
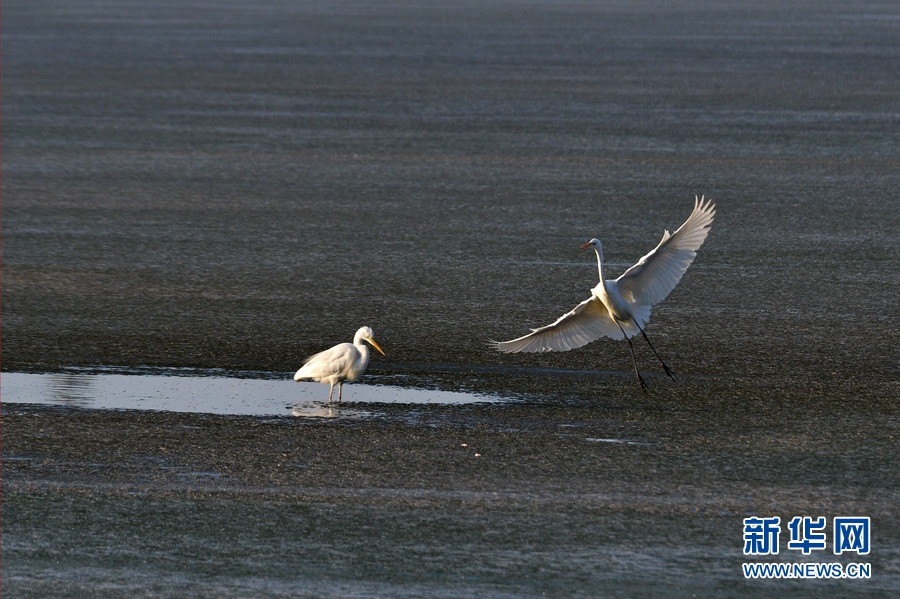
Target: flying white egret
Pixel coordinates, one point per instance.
(343, 362)
(621, 307)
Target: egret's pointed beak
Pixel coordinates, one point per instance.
(585, 246)
(375, 345)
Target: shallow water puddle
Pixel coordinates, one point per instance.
(214, 395)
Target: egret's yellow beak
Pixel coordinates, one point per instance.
(375, 345)
(585, 246)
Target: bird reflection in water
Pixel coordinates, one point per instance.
(71, 389)
(321, 409)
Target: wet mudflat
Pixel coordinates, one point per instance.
(210, 186)
(589, 499)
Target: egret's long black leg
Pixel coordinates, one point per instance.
(340, 391)
(666, 368)
(634, 360)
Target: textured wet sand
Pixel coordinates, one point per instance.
(430, 500)
(221, 187)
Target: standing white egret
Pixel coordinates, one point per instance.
(621, 307)
(343, 362)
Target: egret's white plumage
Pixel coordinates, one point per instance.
(619, 308)
(343, 362)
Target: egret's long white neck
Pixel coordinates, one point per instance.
(363, 351)
(361, 346)
(599, 251)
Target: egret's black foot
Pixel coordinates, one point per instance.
(669, 372)
(644, 387)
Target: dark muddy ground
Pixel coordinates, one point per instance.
(458, 501)
(210, 185)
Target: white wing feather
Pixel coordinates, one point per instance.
(655, 275)
(332, 361)
(587, 322)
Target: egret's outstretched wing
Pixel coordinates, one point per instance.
(656, 274)
(588, 322)
(332, 361)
